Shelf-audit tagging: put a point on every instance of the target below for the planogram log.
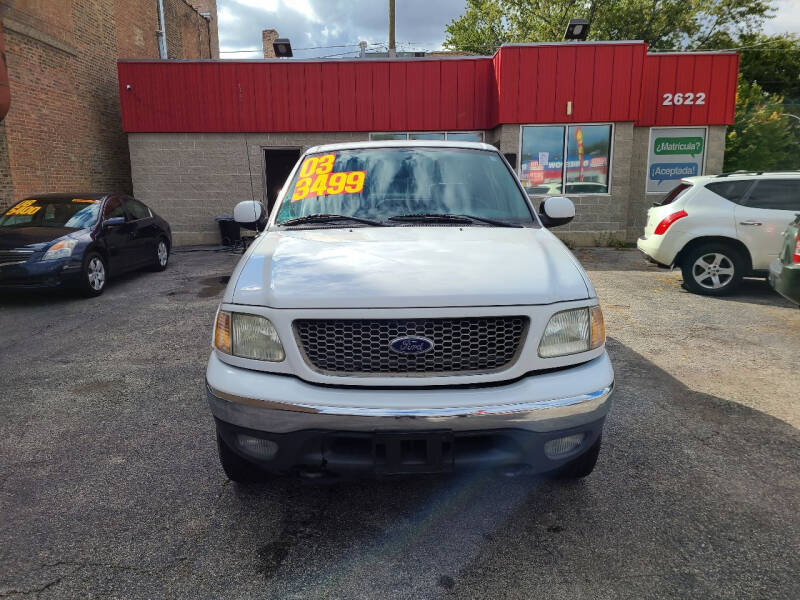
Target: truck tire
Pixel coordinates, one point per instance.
(237, 469)
(581, 466)
(712, 269)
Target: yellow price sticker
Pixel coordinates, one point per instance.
(84, 200)
(24, 208)
(329, 184)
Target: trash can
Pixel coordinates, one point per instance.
(229, 230)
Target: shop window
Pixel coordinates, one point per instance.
(587, 148)
(461, 136)
(465, 136)
(380, 137)
(426, 136)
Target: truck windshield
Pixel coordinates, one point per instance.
(380, 183)
(75, 213)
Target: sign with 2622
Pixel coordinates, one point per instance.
(683, 98)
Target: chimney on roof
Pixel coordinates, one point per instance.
(267, 37)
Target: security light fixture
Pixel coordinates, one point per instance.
(282, 48)
(577, 29)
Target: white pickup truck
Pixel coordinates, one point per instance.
(405, 310)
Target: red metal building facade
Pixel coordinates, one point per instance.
(541, 83)
(605, 123)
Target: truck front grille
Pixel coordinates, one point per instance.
(362, 346)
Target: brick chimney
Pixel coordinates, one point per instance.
(267, 37)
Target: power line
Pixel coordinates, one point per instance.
(339, 54)
(299, 49)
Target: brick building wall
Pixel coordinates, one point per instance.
(188, 33)
(209, 7)
(6, 188)
(63, 131)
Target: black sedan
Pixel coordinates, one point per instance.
(79, 240)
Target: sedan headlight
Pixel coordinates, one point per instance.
(573, 331)
(61, 249)
(247, 336)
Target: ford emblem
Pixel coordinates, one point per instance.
(411, 345)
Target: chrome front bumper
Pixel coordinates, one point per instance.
(279, 404)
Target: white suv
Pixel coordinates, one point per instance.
(407, 311)
(721, 228)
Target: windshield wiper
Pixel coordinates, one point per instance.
(448, 218)
(325, 217)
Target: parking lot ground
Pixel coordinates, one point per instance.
(110, 487)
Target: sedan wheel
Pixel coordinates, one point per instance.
(162, 256)
(95, 275)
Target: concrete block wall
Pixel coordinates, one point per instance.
(190, 178)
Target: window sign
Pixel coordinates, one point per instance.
(542, 164)
(543, 170)
(674, 153)
(588, 149)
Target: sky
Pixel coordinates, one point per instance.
(341, 24)
(307, 23)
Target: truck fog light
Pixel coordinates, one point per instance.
(563, 445)
(257, 447)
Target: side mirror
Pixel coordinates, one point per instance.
(113, 222)
(556, 210)
(250, 215)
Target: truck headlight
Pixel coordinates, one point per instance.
(61, 249)
(247, 336)
(573, 331)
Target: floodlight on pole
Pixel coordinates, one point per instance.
(577, 30)
(282, 48)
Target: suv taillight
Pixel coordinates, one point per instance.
(667, 221)
(796, 255)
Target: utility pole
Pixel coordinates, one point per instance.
(392, 48)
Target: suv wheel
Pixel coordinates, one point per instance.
(712, 269)
(581, 466)
(94, 275)
(237, 468)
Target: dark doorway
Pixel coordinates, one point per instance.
(278, 165)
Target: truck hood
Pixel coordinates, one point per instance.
(404, 267)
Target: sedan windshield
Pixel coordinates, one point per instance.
(75, 213)
(386, 184)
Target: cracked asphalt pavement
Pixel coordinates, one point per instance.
(110, 486)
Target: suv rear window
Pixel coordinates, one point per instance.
(731, 190)
(673, 195)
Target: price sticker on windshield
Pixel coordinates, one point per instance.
(316, 178)
(26, 208)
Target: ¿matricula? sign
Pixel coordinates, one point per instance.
(674, 153)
